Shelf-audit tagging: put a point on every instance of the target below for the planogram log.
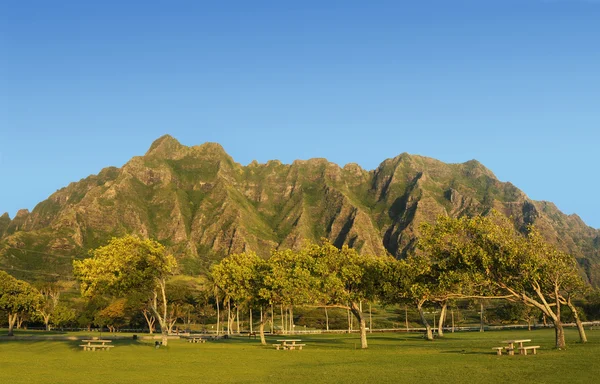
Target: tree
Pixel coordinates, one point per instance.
(501, 262)
(50, 294)
(409, 281)
(129, 264)
(246, 278)
(345, 278)
(112, 316)
(62, 315)
(16, 296)
(291, 281)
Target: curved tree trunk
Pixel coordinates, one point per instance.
(355, 309)
(428, 332)
(582, 336)
(442, 319)
(263, 321)
(150, 320)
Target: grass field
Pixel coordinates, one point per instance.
(464, 357)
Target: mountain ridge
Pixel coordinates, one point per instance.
(203, 205)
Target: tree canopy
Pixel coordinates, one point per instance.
(129, 264)
(17, 296)
(493, 259)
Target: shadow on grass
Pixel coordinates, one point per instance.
(465, 352)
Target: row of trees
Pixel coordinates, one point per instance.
(21, 301)
(475, 258)
(467, 258)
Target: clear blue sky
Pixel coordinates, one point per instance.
(514, 84)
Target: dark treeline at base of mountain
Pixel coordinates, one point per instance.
(202, 205)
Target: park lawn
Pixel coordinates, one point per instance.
(464, 357)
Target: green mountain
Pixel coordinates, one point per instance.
(203, 205)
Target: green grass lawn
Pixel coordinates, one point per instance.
(391, 358)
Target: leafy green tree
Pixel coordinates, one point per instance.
(501, 262)
(410, 281)
(51, 294)
(16, 296)
(292, 281)
(247, 279)
(62, 315)
(344, 278)
(126, 265)
(112, 316)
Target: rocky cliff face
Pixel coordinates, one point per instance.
(203, 205)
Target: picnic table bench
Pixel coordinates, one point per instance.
(289, 344)
(92, 345)
(196, 339)
(510, 348)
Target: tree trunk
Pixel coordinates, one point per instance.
(442, 319)
(250, 322)
(229, 320)
(349, 320)
(370, 319)
(282, 319)
(162, 314)
(362, 322)
(428, 332)
(218, 314)
(582, 336)
(151, 320)
(261, 328)
(326, 319)
(557, 320)
(481, 329)
(12, 319)
(560, 334)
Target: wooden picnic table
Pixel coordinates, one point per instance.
(93, 344)
(511, 345)
(288, 344)
(196, 339)
(510, 349)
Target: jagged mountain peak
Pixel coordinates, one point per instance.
(22, 213)
(165, 145)
(203, 205)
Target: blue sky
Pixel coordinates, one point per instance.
(513, 84)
